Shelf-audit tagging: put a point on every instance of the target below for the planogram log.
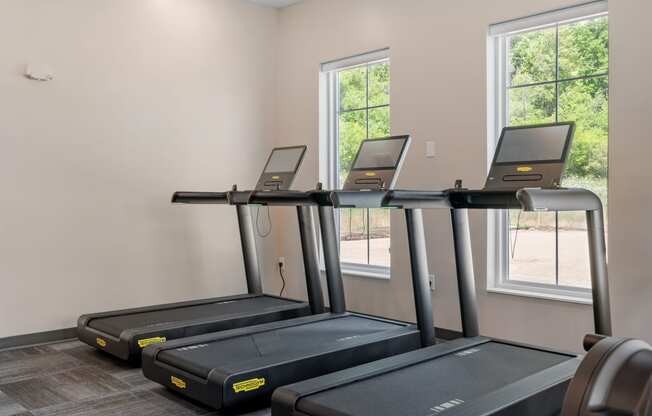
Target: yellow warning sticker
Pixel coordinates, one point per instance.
(370, 173)
(178, 382)
(248, 385)
(100, 342)
(524, 169)
(142, 343)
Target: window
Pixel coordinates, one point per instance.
(551, 67)
(357, 108)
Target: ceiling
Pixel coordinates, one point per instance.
(275, 3)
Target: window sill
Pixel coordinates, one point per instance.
(548, 293)
(360, 270)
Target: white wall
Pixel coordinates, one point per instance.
(445, 41)
(149, 97)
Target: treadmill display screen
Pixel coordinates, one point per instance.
(380, 153)
(533, 144)
(285, 159)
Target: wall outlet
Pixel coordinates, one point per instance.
(281, 263)
(431, 278)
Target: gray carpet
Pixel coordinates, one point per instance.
(73, 379)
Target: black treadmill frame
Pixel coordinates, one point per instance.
(540, 394)
(126, 345)
(217, 390)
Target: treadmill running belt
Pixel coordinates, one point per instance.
(200, 359)
(418, 389)
(114, 325)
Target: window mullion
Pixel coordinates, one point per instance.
(557, 120)
(368, 211)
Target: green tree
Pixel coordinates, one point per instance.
(557, 60)
(364, 110)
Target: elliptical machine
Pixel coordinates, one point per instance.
(614, 379)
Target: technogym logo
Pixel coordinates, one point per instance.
(446, 406)
(192, 347)
(466, 353)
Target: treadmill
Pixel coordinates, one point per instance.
(124, 333)
(476, 375)
(239, 369)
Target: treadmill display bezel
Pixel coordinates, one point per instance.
(276, 149)
(399, 160)
(565, 151)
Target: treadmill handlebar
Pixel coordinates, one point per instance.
(389, 199)
(527, 199)
(282, 198)
(358, 199)
(200, 198)
(566, 199)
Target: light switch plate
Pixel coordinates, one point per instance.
(430, 149)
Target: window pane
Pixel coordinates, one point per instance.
(378, 122)
(379, 238)
(574, 268)
(352, 131)
(531, 57)
(359, 89)
(532, 105)
(532, 247)
(379, 84)
(584, 48)
(586, 103)
(353, 88)
(353, 236)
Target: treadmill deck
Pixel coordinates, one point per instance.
(115, 325)
(282, 343)
(443, 385)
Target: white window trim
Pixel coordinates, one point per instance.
(497, 241)
(328, 127)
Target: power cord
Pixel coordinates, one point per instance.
(518, 226)
(281, 267)
(263, 234)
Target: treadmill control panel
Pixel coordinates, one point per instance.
(531, 156)
(281, 168)
(377, 163)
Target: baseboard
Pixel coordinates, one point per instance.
(38, 338)
(447, 334)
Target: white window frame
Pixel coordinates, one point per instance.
(497, 220)
(328, 142)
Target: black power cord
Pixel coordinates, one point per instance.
(518, 225)
(266, 233)
(281, 266)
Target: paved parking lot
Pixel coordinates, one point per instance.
(533, 260)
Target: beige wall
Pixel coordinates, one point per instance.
(159, 95)
(446, 41)
(149, 97)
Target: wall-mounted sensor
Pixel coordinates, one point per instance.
(39, 72)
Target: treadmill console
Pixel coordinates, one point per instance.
(281, 168)
(530, 156)
(377, 163)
